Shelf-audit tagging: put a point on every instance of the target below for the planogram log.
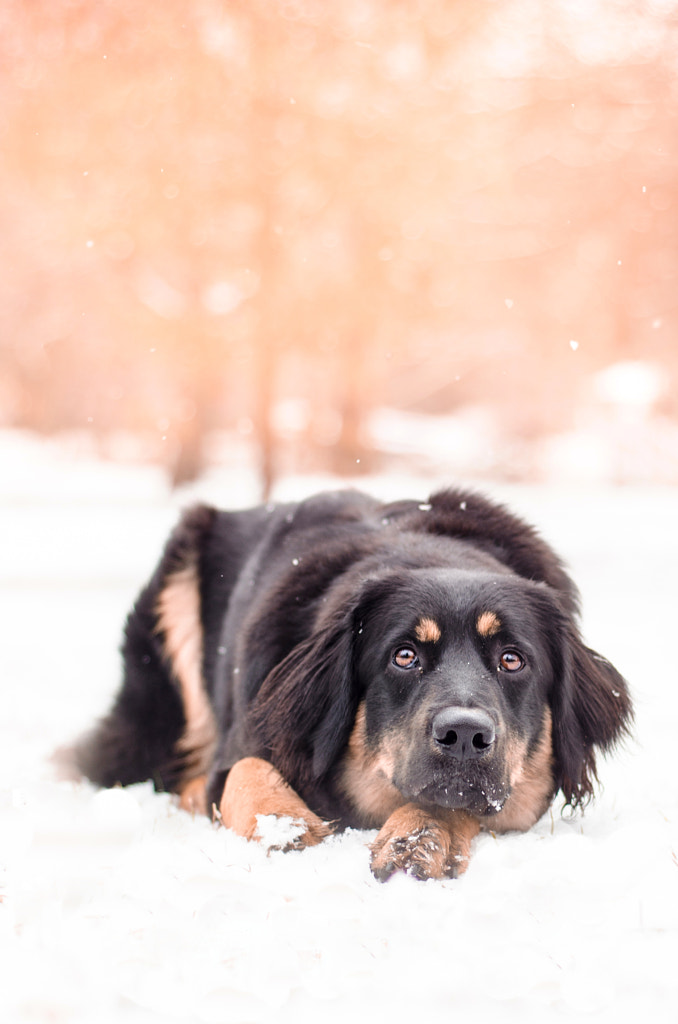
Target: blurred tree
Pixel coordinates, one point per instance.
(208, 207)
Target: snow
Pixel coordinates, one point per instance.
(117, 906)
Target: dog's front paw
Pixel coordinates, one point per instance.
(258, 804)
(281, 832)
(422, 844)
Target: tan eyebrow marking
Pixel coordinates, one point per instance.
(488, 624)
(428, 631)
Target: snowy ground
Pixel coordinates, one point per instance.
(118, 907)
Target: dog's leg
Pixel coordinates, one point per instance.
(424, 843)
(254, 790)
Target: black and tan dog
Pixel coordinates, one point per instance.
(412, 668)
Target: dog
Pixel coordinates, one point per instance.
(411, 668)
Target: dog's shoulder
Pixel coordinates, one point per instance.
(489, 526)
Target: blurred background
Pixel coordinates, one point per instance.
(343, 237)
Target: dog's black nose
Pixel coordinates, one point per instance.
(463, 733)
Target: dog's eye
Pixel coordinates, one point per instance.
(405, 657)
(511, 661)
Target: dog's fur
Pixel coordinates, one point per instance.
(412, 668)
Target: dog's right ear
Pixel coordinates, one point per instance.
(592, 711)
(591, 707)
(305, 709)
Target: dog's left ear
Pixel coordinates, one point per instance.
(305, 709)
(591, 710)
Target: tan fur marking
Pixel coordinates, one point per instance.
(424, 843)
(531, 787)
(488, 624)
(178, 611)
(428, 631)
(365, 778)
(254, 787)
(193, 796)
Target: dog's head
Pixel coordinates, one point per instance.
(446, 687)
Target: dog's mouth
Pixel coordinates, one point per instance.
(481, 796)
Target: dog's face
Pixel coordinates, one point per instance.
(451, 688)
(456, 669)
